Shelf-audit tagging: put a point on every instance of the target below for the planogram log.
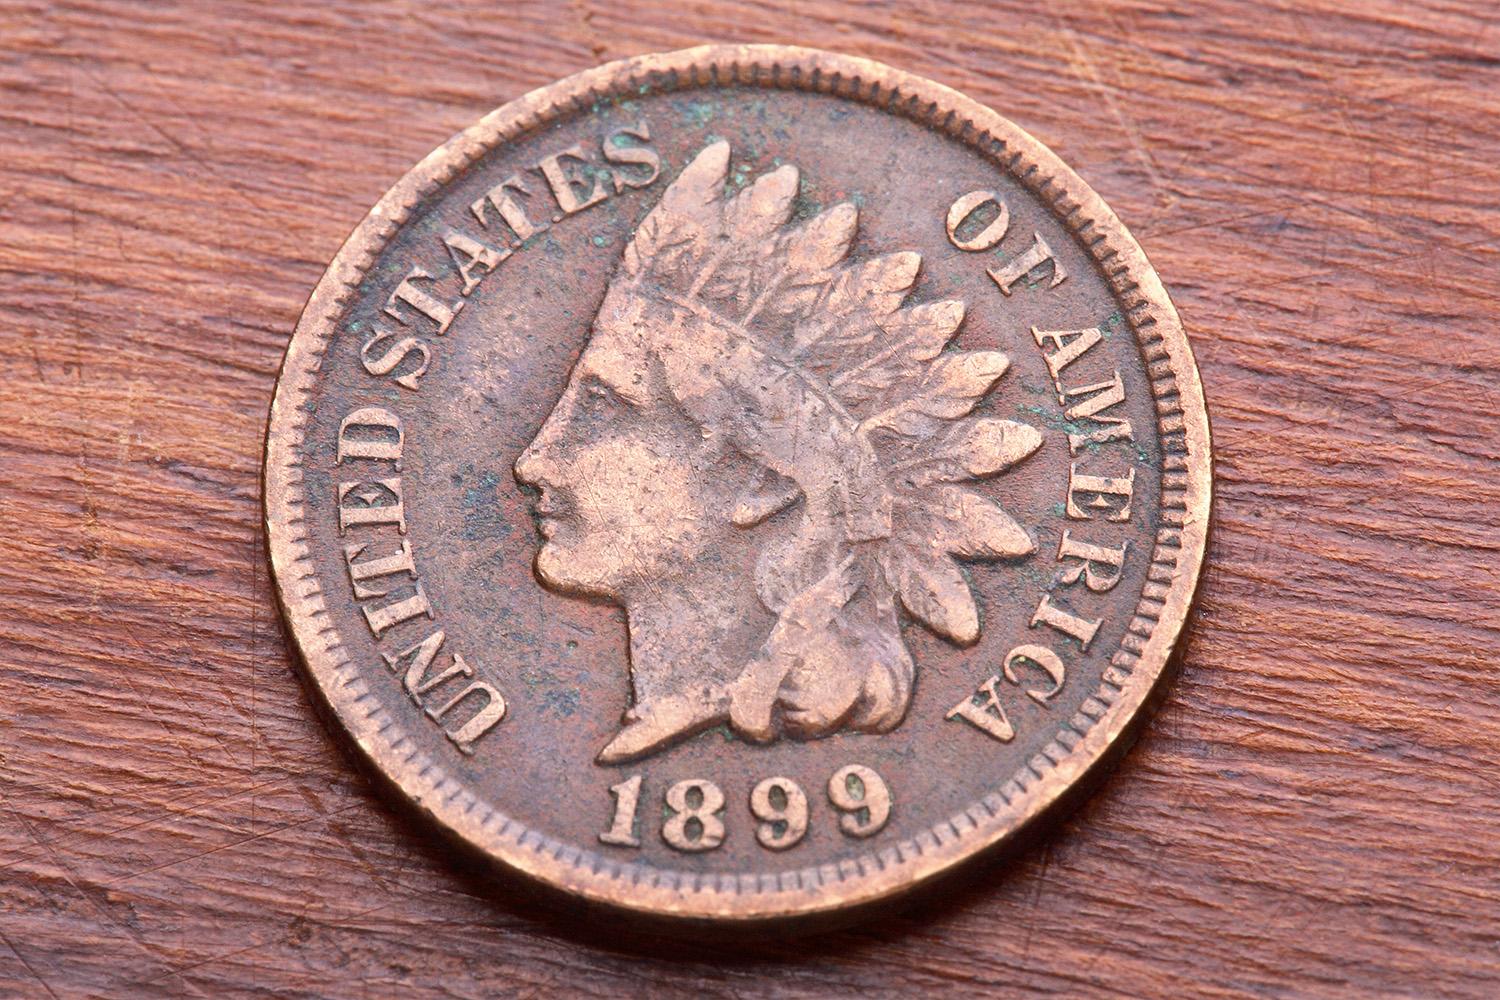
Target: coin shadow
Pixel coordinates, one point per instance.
(847, 934)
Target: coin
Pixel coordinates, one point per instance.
(738, 484)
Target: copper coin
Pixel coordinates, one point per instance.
(738, 483)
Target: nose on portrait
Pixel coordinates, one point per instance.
(538, 465)
(531, 468)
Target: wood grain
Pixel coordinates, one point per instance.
(1313, 811)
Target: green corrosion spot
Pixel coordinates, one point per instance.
(698, 113)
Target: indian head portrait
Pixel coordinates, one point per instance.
(767, 457)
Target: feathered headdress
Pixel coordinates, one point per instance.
(811, 364)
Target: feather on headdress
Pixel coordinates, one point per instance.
(812, 364)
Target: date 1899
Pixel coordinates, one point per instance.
(695, 807)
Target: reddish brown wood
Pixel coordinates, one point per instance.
(1312, 813)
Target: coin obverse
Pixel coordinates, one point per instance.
(739, 483)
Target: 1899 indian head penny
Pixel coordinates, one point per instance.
(737, 484)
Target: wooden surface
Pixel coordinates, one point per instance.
(1312, 813)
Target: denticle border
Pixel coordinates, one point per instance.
(1135, 670)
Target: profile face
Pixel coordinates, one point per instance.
(742, 366)
(624, 476)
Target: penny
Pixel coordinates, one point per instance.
(739, 483)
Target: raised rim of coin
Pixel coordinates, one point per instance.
(1138, 669)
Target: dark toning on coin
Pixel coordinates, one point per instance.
(741, 483)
